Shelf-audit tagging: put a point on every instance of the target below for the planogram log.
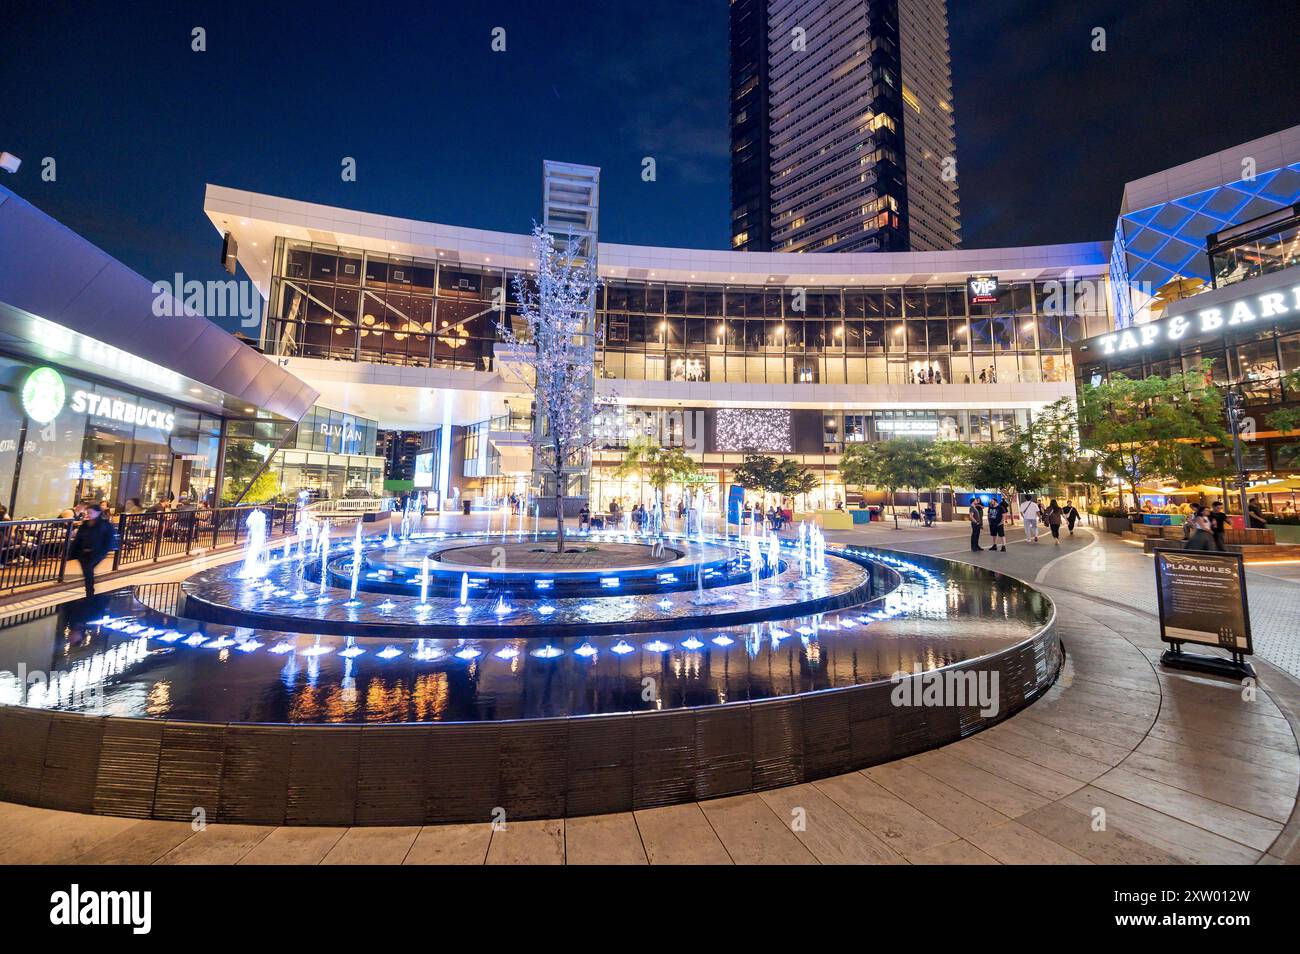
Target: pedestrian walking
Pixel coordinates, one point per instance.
(1054, 519)
(1218, 525)
(976, 517)
(1201, 537)
(93, 541)
(1029, 513)
(1071, 516)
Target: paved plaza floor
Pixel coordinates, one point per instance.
(1120, 762)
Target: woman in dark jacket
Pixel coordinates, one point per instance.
(1071, 516)
(1054, 516)
(93, 541)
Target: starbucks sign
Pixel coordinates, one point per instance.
(43, 395)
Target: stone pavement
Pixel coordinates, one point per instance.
(1104, 567)
(1120, 762)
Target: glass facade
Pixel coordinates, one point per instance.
(332, 455)
(1252, 361)
(819, 451)
(328, 302)
(349, 305)
(1256, 248)
(846, 335)
(104, 443)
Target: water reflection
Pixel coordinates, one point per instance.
(128, 660)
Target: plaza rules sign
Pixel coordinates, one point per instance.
(1202, 598)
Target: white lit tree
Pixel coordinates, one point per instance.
(554, 356)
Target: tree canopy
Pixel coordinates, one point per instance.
(894, 463)
(1051, 448)
(1288, 418)
(658, 466)
(1154, 428)
(765, 474)
(1000, 467)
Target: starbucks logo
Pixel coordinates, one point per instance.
(43, 395)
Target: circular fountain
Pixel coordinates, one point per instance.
(445, 585)
(424, 677)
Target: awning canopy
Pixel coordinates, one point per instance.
(62, 299)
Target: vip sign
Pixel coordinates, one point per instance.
(1236, 314)
(983, 289)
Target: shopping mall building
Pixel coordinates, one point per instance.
(722, 352)
(397, 321)
(386, 332)
(113, 389)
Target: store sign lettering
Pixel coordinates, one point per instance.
(983, 289)
(346, 433)
(1243, 311)
(127, 412)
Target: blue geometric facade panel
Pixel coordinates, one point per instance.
(1166, 242)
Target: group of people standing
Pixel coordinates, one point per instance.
(1032, 513)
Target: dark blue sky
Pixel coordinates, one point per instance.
(444, 129)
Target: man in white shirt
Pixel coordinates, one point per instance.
(1030, 512)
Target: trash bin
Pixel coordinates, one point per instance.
(464, 507)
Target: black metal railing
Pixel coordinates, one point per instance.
(34, 552)
(150, 537)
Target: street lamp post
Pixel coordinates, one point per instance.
(1236, 408)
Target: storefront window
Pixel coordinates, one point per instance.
(105, 443)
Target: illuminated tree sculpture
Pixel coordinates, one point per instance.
(553, 354)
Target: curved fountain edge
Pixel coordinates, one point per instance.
(428, 773)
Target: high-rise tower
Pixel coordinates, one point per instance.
(842, 126)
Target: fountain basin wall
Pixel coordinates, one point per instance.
(589, 760)
(429, 773)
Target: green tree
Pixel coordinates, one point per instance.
(659, 466)
(900, 462)
(265, 488)
(1288, 418)
(1002, 467)
(242, 462)
(674, 466)
(1050, 445)
(757, 472)
(767, 475)
(1152, 428)
(793, 479)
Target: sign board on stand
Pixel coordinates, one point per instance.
(1202, 600)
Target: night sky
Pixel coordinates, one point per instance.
(444, 129)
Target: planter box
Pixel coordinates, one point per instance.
(1285, 532)
(1115, 524)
